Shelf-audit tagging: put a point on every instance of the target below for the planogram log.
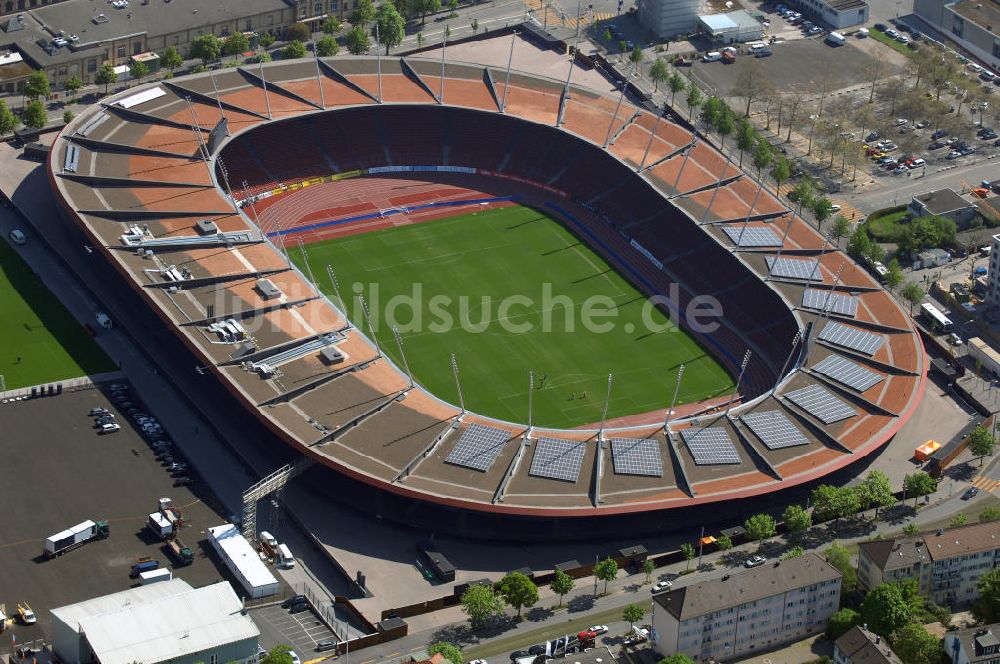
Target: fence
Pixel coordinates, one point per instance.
(54, 389)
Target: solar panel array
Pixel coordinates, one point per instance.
(848, 373)
(820, 402)
(846, 336)
(836, 303)
(805, 269)
(710, 446)
(752, 236)
(557, 459)
(478, 447)
(637, 456)
(774, 429)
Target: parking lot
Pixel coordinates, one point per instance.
(302, 631)
(58, 472)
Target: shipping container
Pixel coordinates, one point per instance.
(153, 576)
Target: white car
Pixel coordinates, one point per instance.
(295, 657)
(17, 236)
(596, 629)
(834, 208)
(901, 121)
(661, 587)
(755, 561)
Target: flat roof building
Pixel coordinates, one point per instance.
(837, 14)
(973, 24)
(946, 564)
(992, 296)
(168, 621)
(943, 203)
(752, 610)
(669, 18)
(731, 27)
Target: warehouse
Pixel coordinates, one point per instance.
(242, 561)
(167, 621)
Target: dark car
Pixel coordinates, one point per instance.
(536, 650)
(936, 145)
(970, 493)
(873, 136)
(98, 411)
(763, 52)
(294, 608)
(881, 27)
(323, 646)
(518, 654)
(295, 599)
(989, 136)
(940, 133)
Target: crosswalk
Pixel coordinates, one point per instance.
(550, 16)
(984, 483)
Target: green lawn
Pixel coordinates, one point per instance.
(510, 256)
(39, 341)
(888, 225)
(890, 42)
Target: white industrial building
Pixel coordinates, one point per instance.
(836, 14)
(163, 622)
(243, 561)
(669, 18)
(749, 611)
(731, 27)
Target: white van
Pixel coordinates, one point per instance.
(284, 557)
(711, 56)
(862, 33)
(155, 575)
(752, 47)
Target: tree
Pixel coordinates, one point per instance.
(885, 610)
(633, 613)
(482, 602)
(236, 44)
(34, 115)
(840, 558)
(711, 110)
(636, 57)
(331, 26)
(606, 570)
(363, 14)
(915, 645)
(298, 32)
(648, 567)
(278, 655)
(37, 85)
(822, 208)
(293, 50)
(518, 589)
(958, 520)
(327, 46)
(833, 502)
(725, 126)
(781, 171)
(687, 550)
(357, 41)
(746, 137)
(68, 116)
(8, 121)
(759, 527)
(982, 443)
(987, 608)
(659, 72)
(206, 48)
(391, 26)
(876, 491)
(841, 228)
(749, 82)
(894, 276)
(447, 650)
(426, 7)
(793, 552)
(693, 99)
(796, 518)
(762, 155)
(676, 658)
(991, 513)
(138, 70)
(106, 76)
(266, 40)
(72, 84)
(841, 622)
(911, 529)
(561, 584)
(725, 542)
(474, 25)
(676, 84)
(912, 293)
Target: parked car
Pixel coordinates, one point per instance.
(940, 133)
(815, 30)
(755, 561)
(187, 481)
(881, 27)
(98, 411)
(537, 649)
(598, 629)
(323, 646)
(661, 587)
(954, 154)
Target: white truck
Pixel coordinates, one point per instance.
(166, 521)
(73, 537)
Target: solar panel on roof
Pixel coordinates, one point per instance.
(820, 402)
(854, 338)
(710, 446)
(478, 447)
(752, 236)
(824, 300)
(637, 456)
(806, 269)
(774, 429)
(848, 373)
(557, 459)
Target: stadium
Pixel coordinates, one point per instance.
(260, 213)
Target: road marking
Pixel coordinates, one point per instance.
(984, 483)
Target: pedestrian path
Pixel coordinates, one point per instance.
(984, 483)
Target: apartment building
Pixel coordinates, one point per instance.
(975, 645)
(749, 611)
(859, 646)
(75, 37)
(947, 564)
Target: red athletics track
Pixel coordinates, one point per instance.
(344, 199)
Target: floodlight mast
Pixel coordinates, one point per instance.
(739, 380)
(458, 384)
(673, 401)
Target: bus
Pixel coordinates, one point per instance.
(938, 321)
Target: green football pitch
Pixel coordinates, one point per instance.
(41, 341)
(509, 291)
